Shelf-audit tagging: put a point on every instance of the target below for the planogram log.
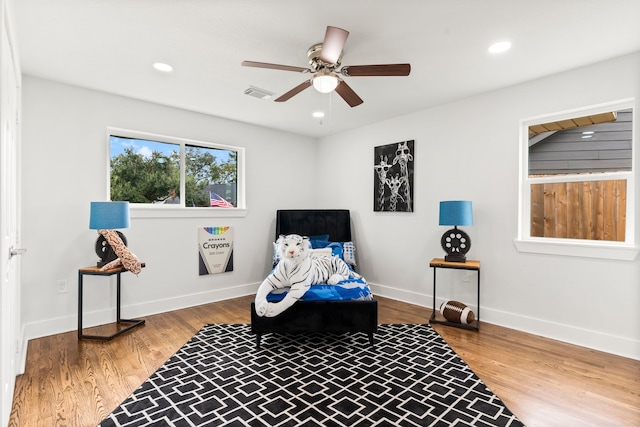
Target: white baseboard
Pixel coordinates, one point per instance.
(608, 343)
(21, 357)
(69, 323)
(403, 295)
(595, 340)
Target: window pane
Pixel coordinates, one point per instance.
(592, 210)
(586, 204)
(589, 144)
(144, 171)
(210, 177)
(146, 168)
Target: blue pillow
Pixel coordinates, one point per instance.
(319, 244)
(336, 249)
(320, 241)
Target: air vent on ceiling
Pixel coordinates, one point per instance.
(258, 93)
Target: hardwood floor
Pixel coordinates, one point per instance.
(544, 382)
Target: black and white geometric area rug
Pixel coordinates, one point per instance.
(219, 378)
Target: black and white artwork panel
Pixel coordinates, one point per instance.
(393, 177)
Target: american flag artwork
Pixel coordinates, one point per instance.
(218, 202)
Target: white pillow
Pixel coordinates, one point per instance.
(321, 252)
(349, 252)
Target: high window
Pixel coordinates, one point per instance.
(577, 183)
(166, 171)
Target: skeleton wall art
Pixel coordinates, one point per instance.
(393, 177)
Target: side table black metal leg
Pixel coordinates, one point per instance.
(133, 323)
(478, 304)
(118, 298)
(79, 305)
(433, 313)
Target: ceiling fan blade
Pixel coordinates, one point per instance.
(296, 90)
(376, 70)
(350, 97)
(274, 66)
(334, 40)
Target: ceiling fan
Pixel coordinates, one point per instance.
(325, 59)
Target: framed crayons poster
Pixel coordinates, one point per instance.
(215, 250)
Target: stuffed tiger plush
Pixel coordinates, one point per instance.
(298, 271)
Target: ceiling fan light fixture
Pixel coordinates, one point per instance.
(325, 82)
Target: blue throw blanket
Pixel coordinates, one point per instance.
(347, 290)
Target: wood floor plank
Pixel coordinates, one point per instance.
(71, 383)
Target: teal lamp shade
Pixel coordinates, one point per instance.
(108, 216)
(455, 242)
(456, 212)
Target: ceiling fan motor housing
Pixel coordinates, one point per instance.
(316, 63)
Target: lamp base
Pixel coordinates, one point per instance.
(456, 243)
(105, 251)
(455, 258)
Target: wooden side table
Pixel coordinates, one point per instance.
(469, 265)
(131, 323)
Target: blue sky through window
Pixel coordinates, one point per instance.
(140, 146)
(145, 147)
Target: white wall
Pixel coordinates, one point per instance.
(65, 167)
(469, 150)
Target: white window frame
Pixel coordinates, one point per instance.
(524, 242)
(150, 210)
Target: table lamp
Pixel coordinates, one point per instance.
(108, 216)
(456, 243)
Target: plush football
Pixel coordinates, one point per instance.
(457, 312)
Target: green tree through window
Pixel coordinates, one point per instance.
(144, 170)
(209, 169)
(140, 179)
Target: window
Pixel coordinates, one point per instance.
(576, 183)
(164, 171)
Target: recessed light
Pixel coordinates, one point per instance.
(161, 66)
(318, 114)
(587, 134)
(500, 47)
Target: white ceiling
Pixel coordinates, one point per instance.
(109, 45)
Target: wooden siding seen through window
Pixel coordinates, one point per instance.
(592, 210)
